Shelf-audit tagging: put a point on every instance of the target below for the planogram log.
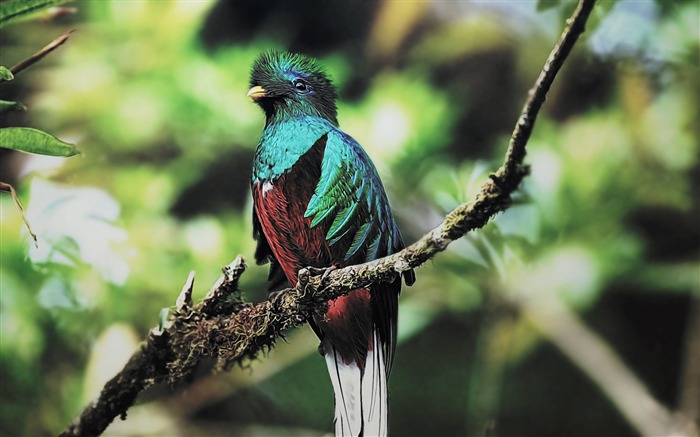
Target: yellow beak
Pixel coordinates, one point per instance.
(256, 92)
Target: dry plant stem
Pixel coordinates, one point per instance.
(10, 189)
(223, 327)
(594, 357)
(38, 56)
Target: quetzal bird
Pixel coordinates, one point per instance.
(318, 202)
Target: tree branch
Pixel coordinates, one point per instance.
(224, 327)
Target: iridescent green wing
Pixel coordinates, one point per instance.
(350, 201)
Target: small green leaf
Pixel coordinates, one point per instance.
(14, 10)
(6, 74)
(30, 140)
(6, 105)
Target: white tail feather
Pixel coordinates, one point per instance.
(361, 404)
(374, 392)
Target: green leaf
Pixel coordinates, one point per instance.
(5, 73)
(6, 105)
(30, 140)
(14, 10)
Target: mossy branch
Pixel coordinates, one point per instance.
(224, 327)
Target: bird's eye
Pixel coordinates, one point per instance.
(300, 86)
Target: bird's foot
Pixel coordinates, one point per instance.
(274, 296)
(315, 271)
(323, 271)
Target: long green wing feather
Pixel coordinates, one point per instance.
(350, 196)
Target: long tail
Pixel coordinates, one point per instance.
(361, 399)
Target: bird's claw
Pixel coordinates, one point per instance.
(323, 271)
(274, 296)
(315, 271)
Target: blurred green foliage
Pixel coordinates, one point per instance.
(154, 95)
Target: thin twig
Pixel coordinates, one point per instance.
(4, 186)
(38, 56)
(224, 327)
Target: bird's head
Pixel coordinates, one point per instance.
(291, 84)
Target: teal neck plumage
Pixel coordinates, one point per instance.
(299, 104)
(283, 142)
(282, 110)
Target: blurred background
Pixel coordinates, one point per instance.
(576, 312)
